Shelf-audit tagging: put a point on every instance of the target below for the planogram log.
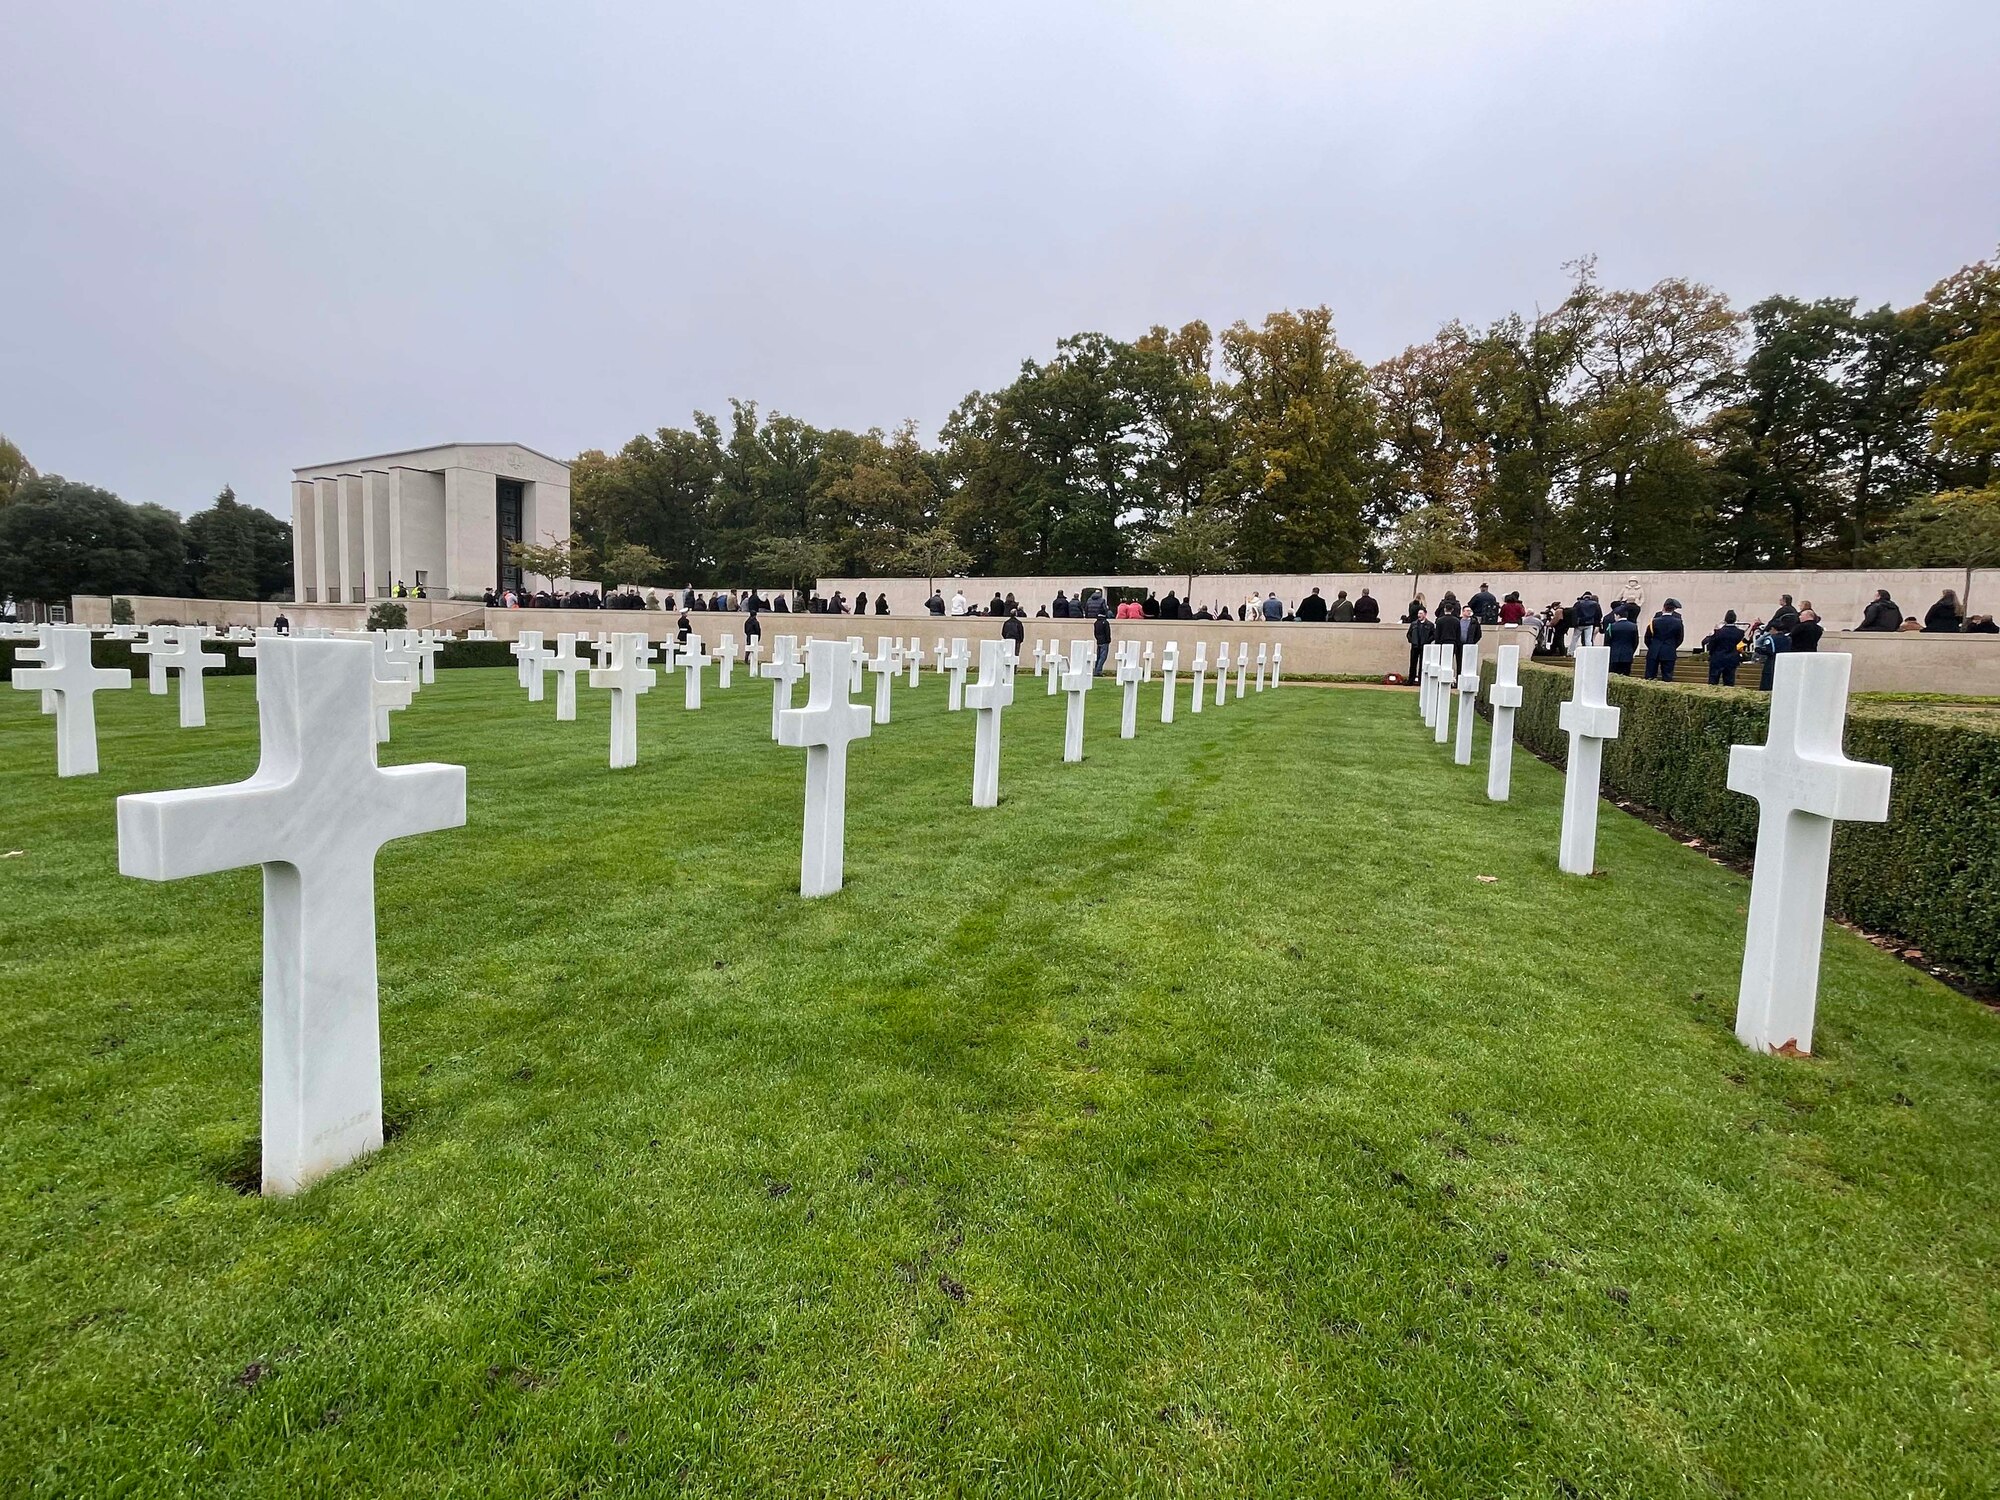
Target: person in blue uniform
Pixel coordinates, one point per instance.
(1724, 645)
(1621, 634)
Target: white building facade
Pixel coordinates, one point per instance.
(439, 518)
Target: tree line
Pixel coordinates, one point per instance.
(1652, 428)
(59, 537)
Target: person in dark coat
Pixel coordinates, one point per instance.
(1420, 634)
(1784, 617)
(1367, 609)
(1170, 607)
(1943, 615)
(1484, 607)
(1149, 606)
(1663, 642)
(681, 628)
(1100, 630)
(1060, 609)
(1882, 613)
(753, 628)
(1621, 634)
(935, 604)
(1013, 631)
(1447, 609)
(1312, 608)
(1724, 646)
(1459, 632)
(1585, 616)
(1806, 632)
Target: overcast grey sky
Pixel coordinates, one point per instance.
(241, 237)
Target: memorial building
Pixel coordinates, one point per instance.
(436, 518)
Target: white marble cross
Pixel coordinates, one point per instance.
(1426, 681)
(1588, 721)
(565, 663)
(394, 685)
(857, 662)
(527, 668)
(954, 667)
(1056, 664)
(1277, 662)
(1803, 784)
(1130, 674)
(1263, 659)
(1468, 694)
(824, 728)
(1146, 663)
(1222, 674)
(1441, 696)
(627, 677)
(190, 661)
(397, 648)
(692, 660)
(986, 697)
(35, 650)
(725, 658)
(915, 653)
(427, 646)
(1503, 698)
(1170, 665)
(752, 649)
(784, 668)
(158, 644)
(1076, 679)
(1242, 667)
(886, 666)
(67, 678)
(1200, 677)
(313, 815)
(1038, 658)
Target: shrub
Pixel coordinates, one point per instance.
(388, 614)
(121, 611)
(1930, 875)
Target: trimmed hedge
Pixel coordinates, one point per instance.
(1930, 875)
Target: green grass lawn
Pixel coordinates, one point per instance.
(1195, 1122)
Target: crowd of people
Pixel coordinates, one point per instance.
(1559, 628)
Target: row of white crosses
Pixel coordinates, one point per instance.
(1802, 780)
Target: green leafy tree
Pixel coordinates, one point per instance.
(790, 561)
(933, 552)
(628, 564)
(877, 492)
(1651, 366)
(15, 470)
(388, 614)
(656, 493)
(1432, 538)
(1783, 438)
(1954, 529)
(121, 611)
(1305, 444)
(59, 538)
(1524, 386)
(550, 560)
(1198, 541)
(1963, 315)
(767, 473)
(222, 558)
